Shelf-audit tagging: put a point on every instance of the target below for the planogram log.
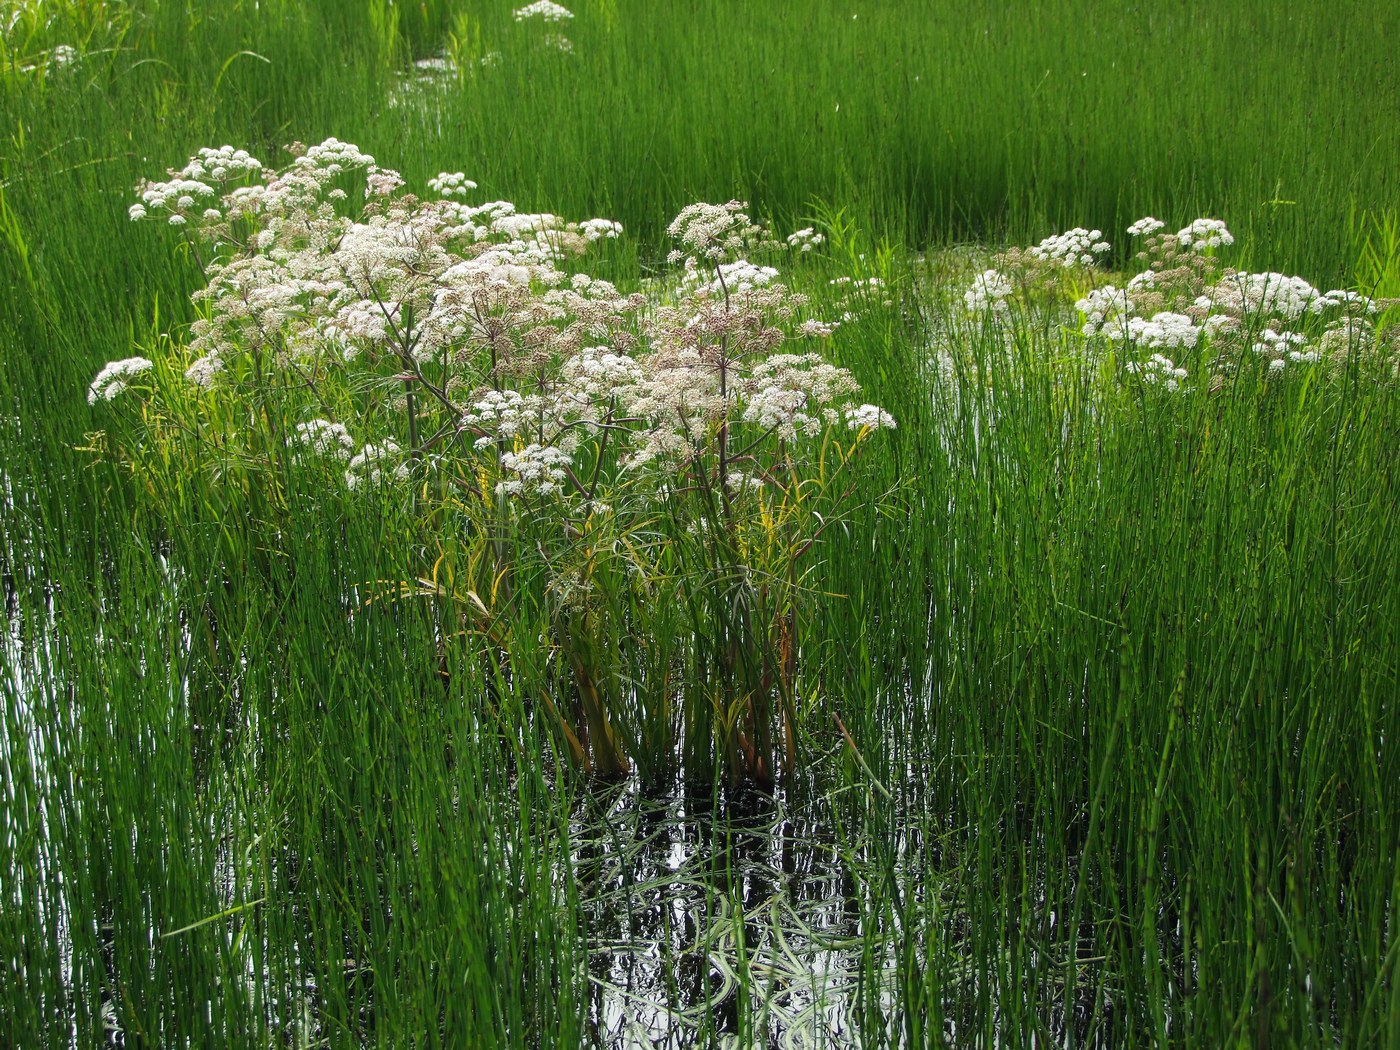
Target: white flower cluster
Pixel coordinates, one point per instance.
(451, 184)
(204, 371)
(335, 156)
(730, 278)
(1159, 370)
(366, 321)
(178, 197)
(1282, 348)
(222, 164)
(714, 231)
(599, 229)
(990, 290)
(1076, 247)
(1106, 312)
(1268, 294)
(1218, 325)
(872, 417)
(1279, 295)
(465, 315)
(500, 413)
(115, 377)
(374, 463)
(737, 481)
(1146, 227)
(1185, 297)
(538, 469)
(815, 329)
(796, 394)
(545, 10)
(381, 182)
(311, 177)
(1349, 335)
(195, 186)
(1204, 234)
(805, 239)
(1164, 331)
(321, 437)
(1349, 301)
(598, 374)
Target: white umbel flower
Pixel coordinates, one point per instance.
(321, 437)
(712, 231)
(805, 239)
(1146, 227)
(598, 229)
(373, 463)
(1159, 370)
(732, 277)
(115, 377)
(1283, 348)
(545, 10)
(1076, 247)
(1270, 293)
(536, 469)
(204, 372)
(1106, 311)
(990, 290)
(1204, 234)
(1164, 331)
(450, 184)
(869, 417)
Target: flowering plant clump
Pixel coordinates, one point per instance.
(457, 358)
(1182, 302)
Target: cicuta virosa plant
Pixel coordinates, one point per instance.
(619, 491)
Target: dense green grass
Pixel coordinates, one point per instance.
(1122, 676)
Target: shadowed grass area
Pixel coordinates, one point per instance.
(1116, 677)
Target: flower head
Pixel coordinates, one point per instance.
(1204, 234)
(871, 417)
(450, 184)
(115, 377)
(989, 292)
(804, 240)
(1076, 247)
(545, 10)
(1146, 227)
(715, 231)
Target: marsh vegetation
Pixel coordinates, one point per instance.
(624, 526)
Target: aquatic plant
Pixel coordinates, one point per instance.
(605, 445)
(1181, 300)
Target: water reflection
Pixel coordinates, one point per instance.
(721, 924)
